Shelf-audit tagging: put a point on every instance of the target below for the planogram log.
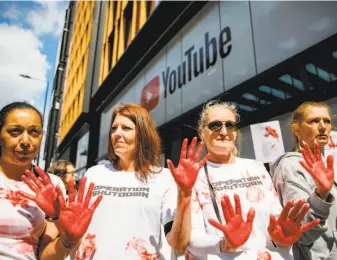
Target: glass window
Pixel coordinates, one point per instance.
(82, 155)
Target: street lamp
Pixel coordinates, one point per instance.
(44, 103)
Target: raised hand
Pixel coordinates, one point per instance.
(287, 229)
(186, 173)
(45, 192)
(322, 176)
(236, 230)
(75, 218)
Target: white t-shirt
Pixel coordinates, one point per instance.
(22, 222)
(251, 181)
(127, 224)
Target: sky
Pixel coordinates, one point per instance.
(30, 32)
(29, 36)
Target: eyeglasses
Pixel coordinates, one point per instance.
(216, 126)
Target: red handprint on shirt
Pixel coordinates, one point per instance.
(263, 255)
(140, 246)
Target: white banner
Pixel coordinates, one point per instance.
(267, 141)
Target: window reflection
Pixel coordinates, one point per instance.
(286, 78)
(321, 73)
(82, 155)
(275, 92)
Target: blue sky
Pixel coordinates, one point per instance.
(30, 32)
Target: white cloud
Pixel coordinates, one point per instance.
(48, 18)
(21, 53)
(21, 49)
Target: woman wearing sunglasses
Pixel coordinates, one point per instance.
(256, 227)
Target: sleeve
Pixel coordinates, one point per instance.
(292, 183)
(169, 200)
(201, 243)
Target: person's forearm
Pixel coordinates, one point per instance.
(56, 250)
(323, 195)
(292, 184)
(319, 209)
(179, 236)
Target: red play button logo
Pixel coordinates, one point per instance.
(149, 97)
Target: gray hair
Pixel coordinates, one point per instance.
(218, 104)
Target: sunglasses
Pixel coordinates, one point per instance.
(216, 126)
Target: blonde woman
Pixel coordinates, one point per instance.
(65, 170)
(303, 174)
(256, 227)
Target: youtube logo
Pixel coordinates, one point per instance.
(149, 97)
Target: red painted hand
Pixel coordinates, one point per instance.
(76, 212)
(186, 173)
(236, 230)
(287, 229)
(322, 176)
(45, 192)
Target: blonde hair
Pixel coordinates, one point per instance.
(298, 116)
(224, 105)
(59, 168)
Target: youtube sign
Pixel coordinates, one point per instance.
(149, 97)
(214, 48)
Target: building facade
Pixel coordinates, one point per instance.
(172, 57)
(53, 124)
